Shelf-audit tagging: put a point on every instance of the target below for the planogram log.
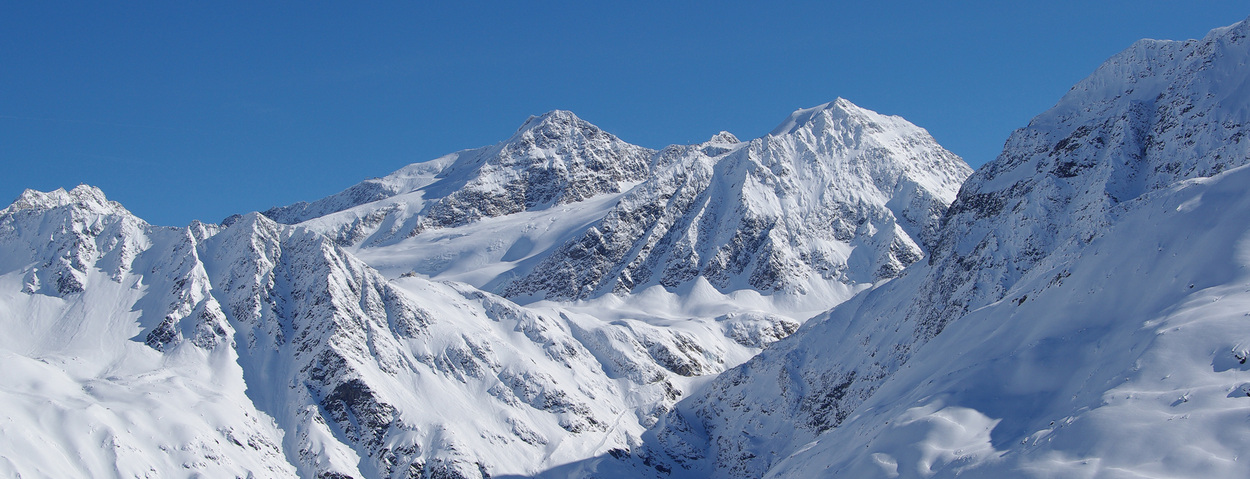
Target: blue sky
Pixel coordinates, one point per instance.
(197, 110)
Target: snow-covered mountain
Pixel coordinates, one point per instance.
(834, 199)
(835, 196)
(269, 349)
(116, 357)
(293, 356)
(541, 306)
(1083, 311)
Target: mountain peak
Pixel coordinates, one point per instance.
(723, 138)
(554, 121)
(85, 196)
(817, 115)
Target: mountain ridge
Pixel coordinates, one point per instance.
(1075, 307)
(327, 366)
(842, 165)
(553, 158)
(1103, 178)
(876, 166)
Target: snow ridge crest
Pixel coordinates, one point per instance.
(84, 196)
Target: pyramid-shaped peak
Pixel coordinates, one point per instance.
(555, 121)
(559, 127)
(805, 117)
(723, 138)
(555, 115)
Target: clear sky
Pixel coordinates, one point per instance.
(198, 110)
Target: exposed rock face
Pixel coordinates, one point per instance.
(837, 193)
(552, 159)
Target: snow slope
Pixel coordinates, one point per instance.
(1082, 312)
(98, 382)
(1125, 359)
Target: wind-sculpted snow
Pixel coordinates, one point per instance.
(837, 194)
(1081, 313)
